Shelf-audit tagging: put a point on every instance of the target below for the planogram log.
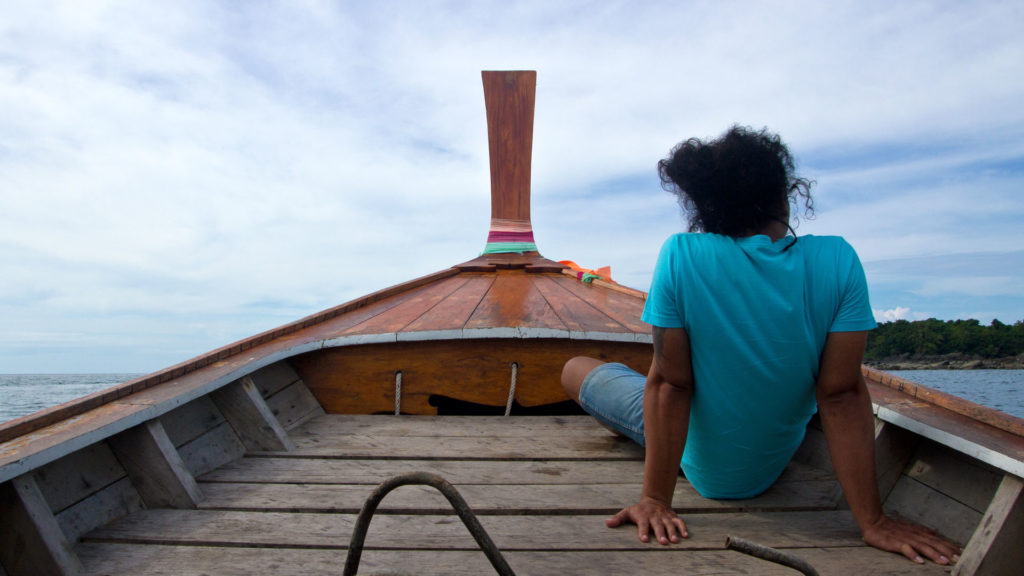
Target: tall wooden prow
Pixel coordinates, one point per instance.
(509, 98)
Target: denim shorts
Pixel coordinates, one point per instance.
(614, 394)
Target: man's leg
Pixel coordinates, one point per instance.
(611, 393)
(573, 373)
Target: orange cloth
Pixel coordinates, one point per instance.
(605, 272)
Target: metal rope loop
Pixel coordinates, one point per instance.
(355, 547)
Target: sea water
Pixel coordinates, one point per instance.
(22, 394)
(999, 389)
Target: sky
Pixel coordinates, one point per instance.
(176, 176)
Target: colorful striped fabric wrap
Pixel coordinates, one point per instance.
(510, 236)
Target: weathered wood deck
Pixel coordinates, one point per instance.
(542, 487)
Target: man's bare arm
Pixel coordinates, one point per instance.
(667, 396)
(845, 408)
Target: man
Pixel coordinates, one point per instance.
(753, 332)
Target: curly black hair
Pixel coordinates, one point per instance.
(737, 184)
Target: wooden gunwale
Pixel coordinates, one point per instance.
(994, 418)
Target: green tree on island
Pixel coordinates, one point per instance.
(933, 337)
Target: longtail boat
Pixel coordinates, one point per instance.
(257, 457)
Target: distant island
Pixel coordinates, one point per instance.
(945, 345)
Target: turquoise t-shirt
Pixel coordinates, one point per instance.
(757, 318)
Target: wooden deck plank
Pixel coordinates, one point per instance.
(514, 301)
(125, 559)
(338, 425)
(561, 437)
(578, 314)
(460, 472)
(411, 308)
(623, 308)
(482, 448)
(501, 498)
(453, 312)
(446, 532)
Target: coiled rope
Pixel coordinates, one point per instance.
(398, 392)
(355, 547)
(512, 389)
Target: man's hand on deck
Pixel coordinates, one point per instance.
(652, 515)
(911, 540)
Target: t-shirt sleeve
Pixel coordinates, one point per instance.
(662, 308)
(854, 312)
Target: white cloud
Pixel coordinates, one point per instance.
(179, 164)
(891, 315)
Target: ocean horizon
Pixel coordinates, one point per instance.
(23, 394)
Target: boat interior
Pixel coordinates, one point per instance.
(253, 475)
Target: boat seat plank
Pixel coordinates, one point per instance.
(202, 561)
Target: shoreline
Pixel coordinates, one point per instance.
(946, 362)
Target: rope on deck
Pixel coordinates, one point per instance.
(770, 554)
(512, 389)
(398, 392)
(355, 547)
